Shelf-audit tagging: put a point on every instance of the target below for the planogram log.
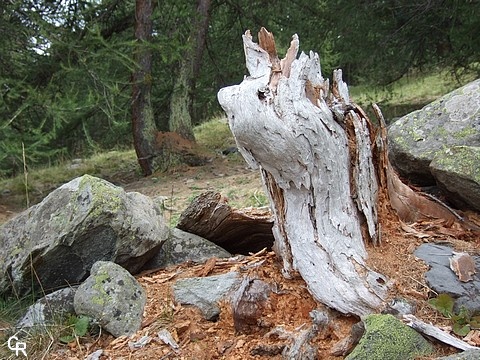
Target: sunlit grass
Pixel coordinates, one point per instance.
(214, 134)
(42, 180)
(409, 93)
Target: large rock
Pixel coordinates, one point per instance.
(457, 172)
(112, 297)
(416, 138)
(83, 221)
(182, 246)
(386, 337)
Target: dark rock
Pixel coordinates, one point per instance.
(457, 172)
(205, 292)
(416, 138)
(386, 337)
(113, 297)
(81, 222)
(182, 246)
(230, 150)
(267, 349)
(442, 279)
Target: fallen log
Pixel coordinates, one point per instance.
(237, 231)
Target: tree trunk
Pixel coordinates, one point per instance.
(143, 122)
(181, 103)
(314, 150)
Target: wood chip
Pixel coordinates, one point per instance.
(463, 265)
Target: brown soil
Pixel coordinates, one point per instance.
(287, 309)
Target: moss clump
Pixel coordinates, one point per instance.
(101, 297)
(388, 338)
(460, 159)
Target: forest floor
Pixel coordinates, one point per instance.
(288, 309)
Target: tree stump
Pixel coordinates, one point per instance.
(314, 150)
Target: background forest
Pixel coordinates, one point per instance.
(71, 71)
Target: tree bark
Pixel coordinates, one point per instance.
(314, 150)
(143, 122)
(181, 103)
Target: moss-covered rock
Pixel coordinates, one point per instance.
(112, 297)
(457, 171)
(81, 222)
(386, 337)
(416, 138)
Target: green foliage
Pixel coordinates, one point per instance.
(463, 321)
(380, 41)
(77, 326)
(65, 69)
(443, 303)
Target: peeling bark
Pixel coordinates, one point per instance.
(314, 149)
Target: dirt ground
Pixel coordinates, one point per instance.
(287, 311)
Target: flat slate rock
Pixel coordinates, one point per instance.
(443, 280)
(205, 292)
(50, 309)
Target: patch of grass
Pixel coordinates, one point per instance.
(43, 180)
(258, 199)
(214, 134)
(11, 308)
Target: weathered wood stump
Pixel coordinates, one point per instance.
(314, 150)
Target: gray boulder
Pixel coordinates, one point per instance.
(386, 337)
(465, 355)
(113, 297)
(81, 222)
(182, 246)
(443, 280)
(457, 172)
(50, 309)
(205, 292)
(416, 138)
